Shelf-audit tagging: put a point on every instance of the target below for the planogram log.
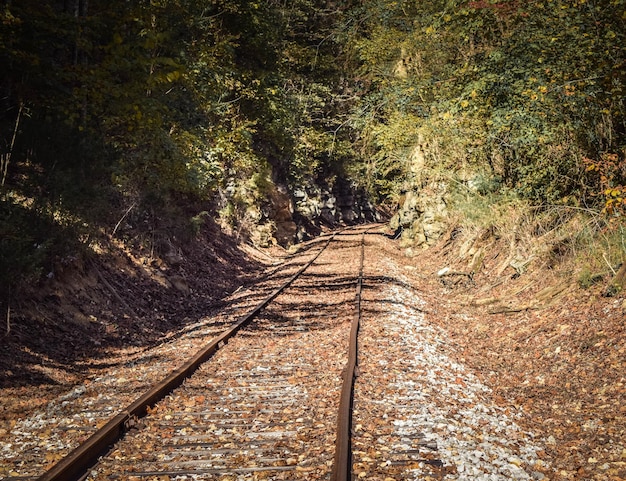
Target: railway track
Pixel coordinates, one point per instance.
(259, 404)
(418, 412)
(334, 375)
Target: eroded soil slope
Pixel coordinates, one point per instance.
(86, 311)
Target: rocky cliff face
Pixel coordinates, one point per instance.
(343, 203)
(289, 217)
(421, 218)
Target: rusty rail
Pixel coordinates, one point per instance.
(342, 466)
(78, 462)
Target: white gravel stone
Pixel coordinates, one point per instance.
(450, 406)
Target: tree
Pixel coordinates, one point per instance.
(523, 91)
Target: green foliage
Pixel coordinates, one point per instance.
(610, 175)
(587, 278)
(163, 100)
(600, 251)
(197, 221)
(483, 203)
(21, 253)
(524, 90)
(220, 101)
(35, 240)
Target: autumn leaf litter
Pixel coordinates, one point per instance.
(411, 382)
(408, 363)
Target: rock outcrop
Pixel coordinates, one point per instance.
(344, 203)
(421, 219)
(422, 216)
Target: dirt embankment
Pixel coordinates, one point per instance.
(540, 341)
(87, 310)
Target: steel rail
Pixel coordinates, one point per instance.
(342, 465)
(77, 463)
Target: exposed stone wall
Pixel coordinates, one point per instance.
(275, 223)
(317, 205)
(286, 218)
(290, 217)
(423, 213)
(421, 219)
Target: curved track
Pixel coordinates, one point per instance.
(284, 394)
(256, 405)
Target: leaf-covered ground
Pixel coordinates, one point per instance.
(87, 313)
(537, 340)
(542, 344)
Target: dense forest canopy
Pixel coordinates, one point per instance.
(144, 106)
(529, 93)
